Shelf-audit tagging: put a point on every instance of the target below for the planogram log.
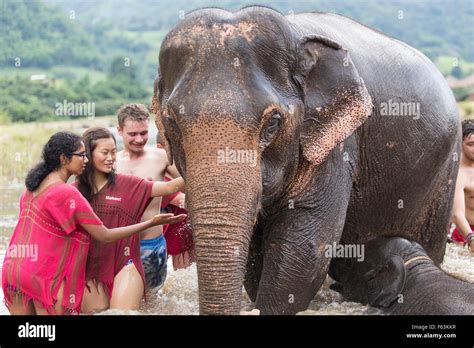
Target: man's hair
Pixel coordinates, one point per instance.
(467, 128)
(134, 112)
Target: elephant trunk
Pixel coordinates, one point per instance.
(222, 200)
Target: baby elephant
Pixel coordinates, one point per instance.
(398, 277)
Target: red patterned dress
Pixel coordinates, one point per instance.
(49, 247)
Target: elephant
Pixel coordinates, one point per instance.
(293, 133)
(397, 276)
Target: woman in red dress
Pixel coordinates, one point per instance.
(44, 268)
(115, 276)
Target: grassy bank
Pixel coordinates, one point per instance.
(466, 109)
(21, 143)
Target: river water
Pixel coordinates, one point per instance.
(179, 295)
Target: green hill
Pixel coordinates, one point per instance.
(105, 52)
(85, 33)
(35, 34)
(437, 28)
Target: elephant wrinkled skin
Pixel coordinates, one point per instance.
(398, 277)
(296, 132)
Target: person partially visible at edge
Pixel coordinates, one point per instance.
(115, 277)
(44, 268)
(179, 238)
(463, 208)
(150, 164)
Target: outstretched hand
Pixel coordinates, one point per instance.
(164, 219)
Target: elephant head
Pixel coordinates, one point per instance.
(381, 277)
(248, 108)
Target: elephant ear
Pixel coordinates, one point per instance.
(336, 99)
(155, 108)
(386, 282)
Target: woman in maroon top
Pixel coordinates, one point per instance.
(115, 276)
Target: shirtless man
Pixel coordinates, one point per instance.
(152, 164)
(463, 208)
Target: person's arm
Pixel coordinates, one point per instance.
(171, 171)
(161, 188)
(179, 201)
(458, 216)
(107, 235)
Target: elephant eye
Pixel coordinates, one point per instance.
(273, 125)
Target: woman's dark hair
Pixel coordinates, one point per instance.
(86, 181)
(61, 143)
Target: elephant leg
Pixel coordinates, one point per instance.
(295, 241)
(294, 263)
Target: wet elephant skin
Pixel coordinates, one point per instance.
(285, 131)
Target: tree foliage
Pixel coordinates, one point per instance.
(35, 34)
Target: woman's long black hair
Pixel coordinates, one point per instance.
(61, 143)
(86, 181)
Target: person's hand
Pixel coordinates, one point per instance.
(164, 219)
(470, 247)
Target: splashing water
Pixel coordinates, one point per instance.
(179, 295)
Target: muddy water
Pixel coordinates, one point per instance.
(179, 295)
